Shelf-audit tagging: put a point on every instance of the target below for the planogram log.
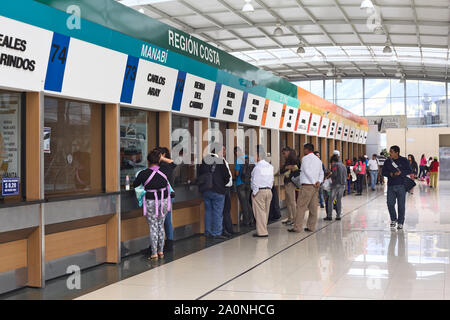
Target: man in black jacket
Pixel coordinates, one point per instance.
(396, 168)
(214, 198)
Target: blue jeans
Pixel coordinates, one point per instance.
(373, 178)
(168, 228)
(396, 194)
(214, 203)
(321, 198)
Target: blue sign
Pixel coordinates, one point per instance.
(129, 79)
(10, 187)
(57, 62)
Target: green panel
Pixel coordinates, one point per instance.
(113, 15)
(282, 98)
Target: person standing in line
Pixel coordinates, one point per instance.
(311, 176)
(243, 168)
(168, 224)
(321, 197)
(261, 183)
(214, 176)
(434, 173)
(422, 166)
(289, 166)
(227, 223)
(373, 170)
(360, 170)
(396, 169)
(156, 200)
(349, 176)
(338, 180)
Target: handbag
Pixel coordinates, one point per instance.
(140, 192)
(327, 185)
(407, 181)
(295, 178)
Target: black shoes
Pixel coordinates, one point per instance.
(322, 206)
(338, 218)
(255, 235)
(293, 230)
(327, 219)
(308, 230)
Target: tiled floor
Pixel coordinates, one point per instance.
(359, 257)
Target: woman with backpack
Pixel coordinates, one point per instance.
(156, 200)
(360, 170)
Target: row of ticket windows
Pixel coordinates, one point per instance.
(74, 143)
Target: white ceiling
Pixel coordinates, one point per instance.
(336, 34)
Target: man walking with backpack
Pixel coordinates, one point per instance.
(243, 168)
(338, 181)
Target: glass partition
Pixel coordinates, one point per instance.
(73, 147)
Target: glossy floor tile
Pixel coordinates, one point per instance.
(359, 257)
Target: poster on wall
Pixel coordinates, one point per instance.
(254, 108)
(332, 130)
(47, 136)
(303, 121)
(155, 86)
(9, 136)
(10, 187)
(272, 114)
(314, 125)
(24, 55)
(230, 101)
(198, 94)
(323, 131)
(290, 116)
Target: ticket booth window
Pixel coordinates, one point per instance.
(10, 146)
(138, 136)
(185, 173)
(219, 132)
(73, 147)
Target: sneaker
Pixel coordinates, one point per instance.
(400, 226)
(290, 223)
(393, 224)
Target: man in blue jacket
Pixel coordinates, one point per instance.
(396, 168)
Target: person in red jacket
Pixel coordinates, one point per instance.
(434, 169)
(360, 169)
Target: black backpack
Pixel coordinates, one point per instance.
(246, 171)
(205, 180)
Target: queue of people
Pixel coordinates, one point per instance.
(308, 184)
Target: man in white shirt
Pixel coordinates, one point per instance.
(261, 184)
(311, 176)
(373, 170)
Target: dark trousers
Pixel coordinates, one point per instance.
(422, 172)
(227, 223)
(244, 194)
(396, 194)
(359, 183)
(275, 212)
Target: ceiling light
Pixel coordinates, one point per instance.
(278, 31)
(402, 79)
(141, 10)
(338, 79)
(366, 4)
(378, 30)
(248, 7)
(330, 73)
(387, 48)
(301, 50)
